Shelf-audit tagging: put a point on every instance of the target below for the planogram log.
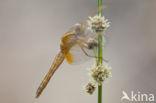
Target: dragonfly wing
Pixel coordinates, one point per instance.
(77, 56)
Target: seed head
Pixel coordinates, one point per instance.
(98, 24)
(100, 73)
(90, 87)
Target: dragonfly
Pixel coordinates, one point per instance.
(77, 45)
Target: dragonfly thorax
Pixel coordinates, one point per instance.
(79, 30)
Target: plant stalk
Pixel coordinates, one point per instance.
(100, 52)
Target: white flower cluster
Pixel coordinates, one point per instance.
(98, 24)
(99, 73)
(90, 87)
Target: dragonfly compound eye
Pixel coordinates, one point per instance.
(92, 45)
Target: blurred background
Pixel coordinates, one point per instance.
(30, 32)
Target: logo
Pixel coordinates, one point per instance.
(137, 96)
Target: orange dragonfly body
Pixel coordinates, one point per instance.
(76, 37)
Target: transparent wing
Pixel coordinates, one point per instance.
(77, 56)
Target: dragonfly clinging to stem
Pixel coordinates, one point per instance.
(75, 39)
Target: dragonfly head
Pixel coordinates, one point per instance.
(92, 43)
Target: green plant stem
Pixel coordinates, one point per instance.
(100, 52)
(100, 7)
(100, 62)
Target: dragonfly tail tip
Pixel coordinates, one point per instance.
(37, 96)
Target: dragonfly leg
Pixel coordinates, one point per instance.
(92, 56)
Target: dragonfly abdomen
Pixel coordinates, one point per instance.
(56, 63)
